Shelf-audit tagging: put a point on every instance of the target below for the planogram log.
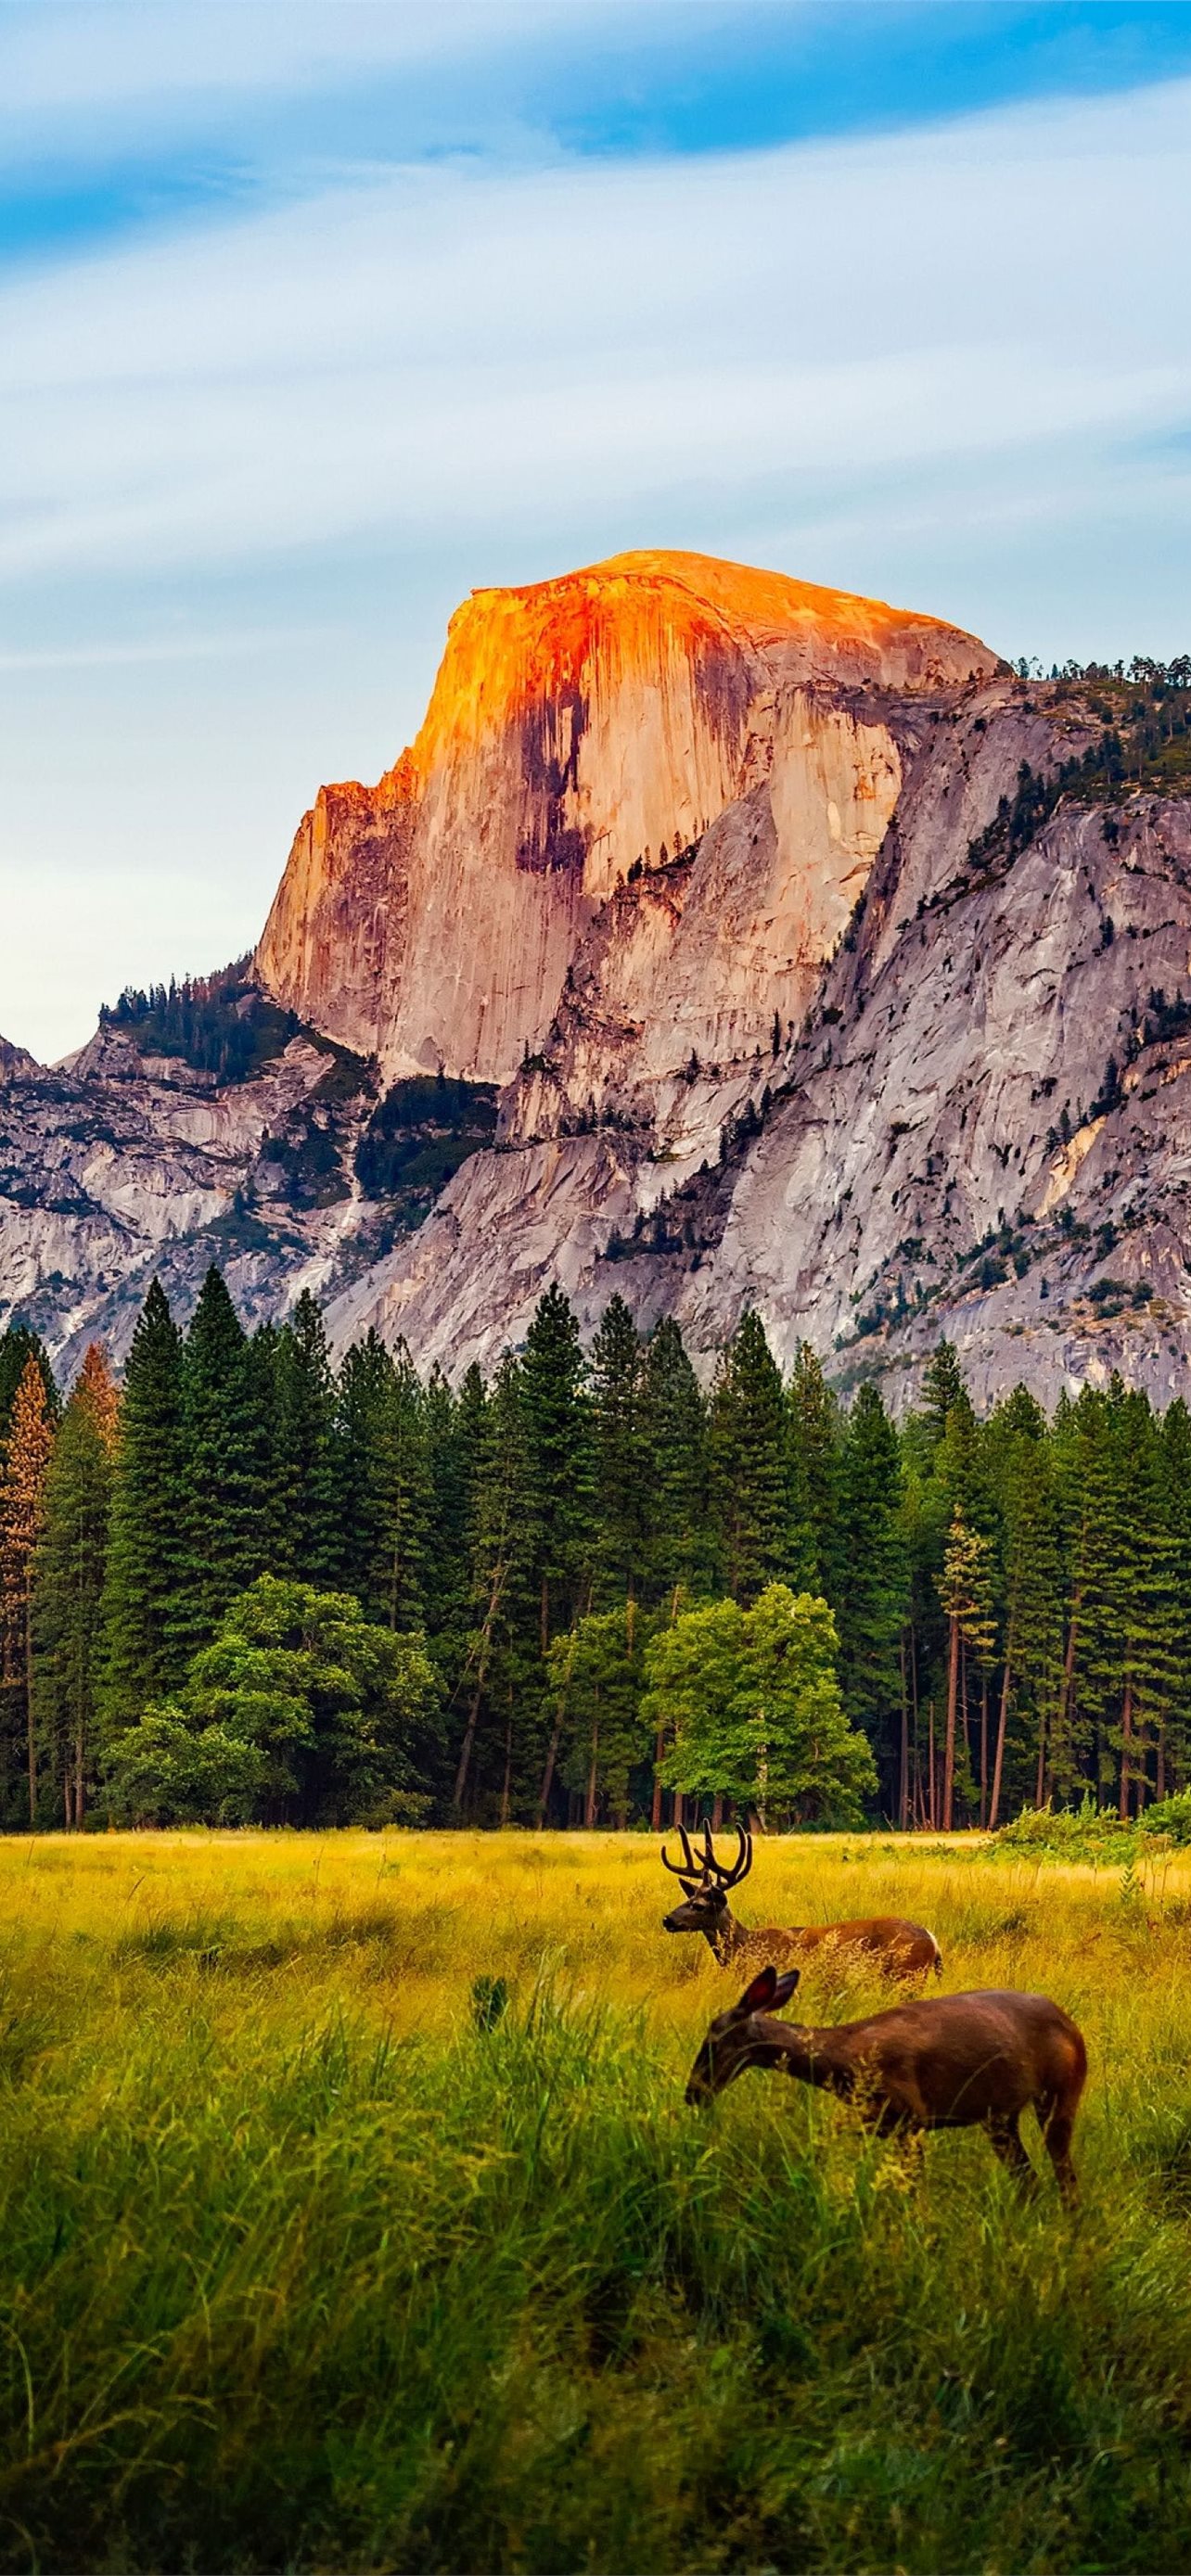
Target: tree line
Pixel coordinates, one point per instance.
(249, 1585)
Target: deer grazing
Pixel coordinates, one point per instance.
(901, 1949)
(954, 2062)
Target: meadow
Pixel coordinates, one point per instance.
(315, 2257)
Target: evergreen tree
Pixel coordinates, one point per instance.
(815, 1447)
(68, 1583)
(454, 1430)
(557, 1416)
(943, 1392)
(223, 1506)
(304, 1435)
(873, 1603)
(361, 1505)
(597, 1676)
(406, 1493)
(18, 1346)
(502, 1667)
(619, 1459)
(142, 1659)
(1032, 1594)
(673, 1431)
(749, 1453)
(965, 1590)
(26, 1457)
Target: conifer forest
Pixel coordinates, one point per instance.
(249, 1586)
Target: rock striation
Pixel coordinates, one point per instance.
(821, 963)
(580, 729)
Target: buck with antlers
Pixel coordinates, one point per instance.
(957, 2062)
(901, 1949)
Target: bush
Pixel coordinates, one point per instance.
(301, 1711)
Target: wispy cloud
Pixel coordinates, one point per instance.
(259, 456)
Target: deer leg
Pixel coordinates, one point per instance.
(1056, 2129)
(1005, 2143)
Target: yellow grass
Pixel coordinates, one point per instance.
(305, 2263)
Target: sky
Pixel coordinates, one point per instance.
(315, 314)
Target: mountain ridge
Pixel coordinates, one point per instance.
(804, 954)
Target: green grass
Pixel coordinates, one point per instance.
(310, 2260)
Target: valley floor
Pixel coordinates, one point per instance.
(318, 2251)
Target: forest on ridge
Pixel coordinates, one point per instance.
(251, 1586)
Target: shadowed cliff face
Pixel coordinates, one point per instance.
(975, 1118)
(578, 730)
(813, 974)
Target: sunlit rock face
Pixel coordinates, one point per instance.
(584, 734)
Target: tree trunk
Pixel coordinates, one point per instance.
(679, 1817)
(1064, 1703)
(504, 1794)
(544, 1613)
(1160, 1762)
(983, 1749)
(717, 1811)
(949, 1742)
(29, 1708)
(589, 1814)
(903, 1803)
(1126, 1748)
(552, 1747)
(1002, 1725)
(655, 1813)
(934, 1818)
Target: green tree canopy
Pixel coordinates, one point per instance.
(754, 1704)
(300, 1711)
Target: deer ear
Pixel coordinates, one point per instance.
(785, 1986)
(759, 1996)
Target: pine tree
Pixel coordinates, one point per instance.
(361, 1506)
(673, 1427)
(1088, 1728)
(943, 1390)
(143, 1659)
(223, 1504)
(618, 1444)
(406, 1493)
(1032, 1593)
(873, 1604)
(27, 1451)
(1173, 1752)
(965, 1590)
(304, 1416)
(454, 1429)
(18, 1346)
(68, 1582)
(749, 1452)
(557, 1415)
(815, 1446)
(501, 1662)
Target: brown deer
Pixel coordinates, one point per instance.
(951, 2063)
(901, 1949)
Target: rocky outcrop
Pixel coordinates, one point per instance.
(578, 730)
(122, 1165)
(803, 987)
(981, 1126)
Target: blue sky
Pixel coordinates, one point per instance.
(313, 315)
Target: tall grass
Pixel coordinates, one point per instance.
(312, 2257)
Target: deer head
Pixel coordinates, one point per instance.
(705, 1883)
(736, 2040)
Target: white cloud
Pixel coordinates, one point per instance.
(942, 365)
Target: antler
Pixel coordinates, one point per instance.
(739, 1868)
(688, 1866)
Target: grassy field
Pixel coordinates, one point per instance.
(303, 2266)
